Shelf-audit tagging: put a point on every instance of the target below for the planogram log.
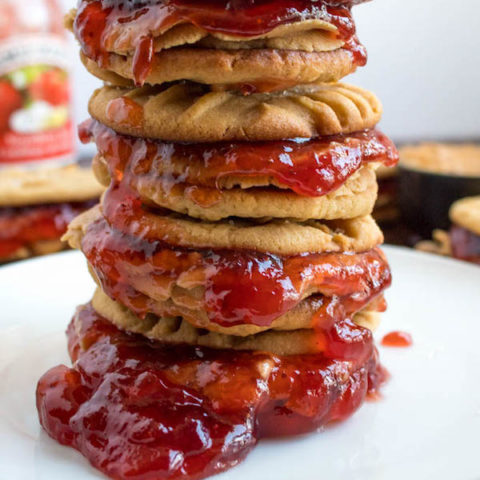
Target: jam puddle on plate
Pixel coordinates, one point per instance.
(141, 410)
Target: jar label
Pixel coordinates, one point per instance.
(35, 116)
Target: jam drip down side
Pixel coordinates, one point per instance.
(23, 226)
(104, 25)
(241, 287)
(465, 244)
(143, 411)
(307, 167)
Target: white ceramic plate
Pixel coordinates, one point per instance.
(427, 426)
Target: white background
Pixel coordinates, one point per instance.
(424, 64)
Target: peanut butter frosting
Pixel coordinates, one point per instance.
(123, 41)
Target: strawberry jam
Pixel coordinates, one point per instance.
(311, 168)
(144, 411)
(23, 226)
(465, 244)
(240, 286)
(397, 339)
(104, 26)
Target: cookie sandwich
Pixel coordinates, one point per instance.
(36, 207)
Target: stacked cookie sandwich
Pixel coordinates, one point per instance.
(36, 207)
(238, 268)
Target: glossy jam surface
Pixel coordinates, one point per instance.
(397, 339)
(103, 26)
(307, 167)
(465, 244)
(143, 411)
(240, 287)
(23, 226)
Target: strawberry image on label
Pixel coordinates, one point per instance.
(10, 101)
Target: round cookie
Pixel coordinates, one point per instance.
(279, 237)
(191, 113)
(281, 68)
(40, 186)
(466, 214)
(176, 331)
(252, 198)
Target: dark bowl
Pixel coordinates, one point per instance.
(425, 197)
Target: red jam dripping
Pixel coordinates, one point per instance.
(143, 59)
(125, 111)
(144, 411)
(382, 375)
(397, 339)
(23, 226)
(241, 287)
(465, 244)
(98, 21)
(130, 234)
(308, 167)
